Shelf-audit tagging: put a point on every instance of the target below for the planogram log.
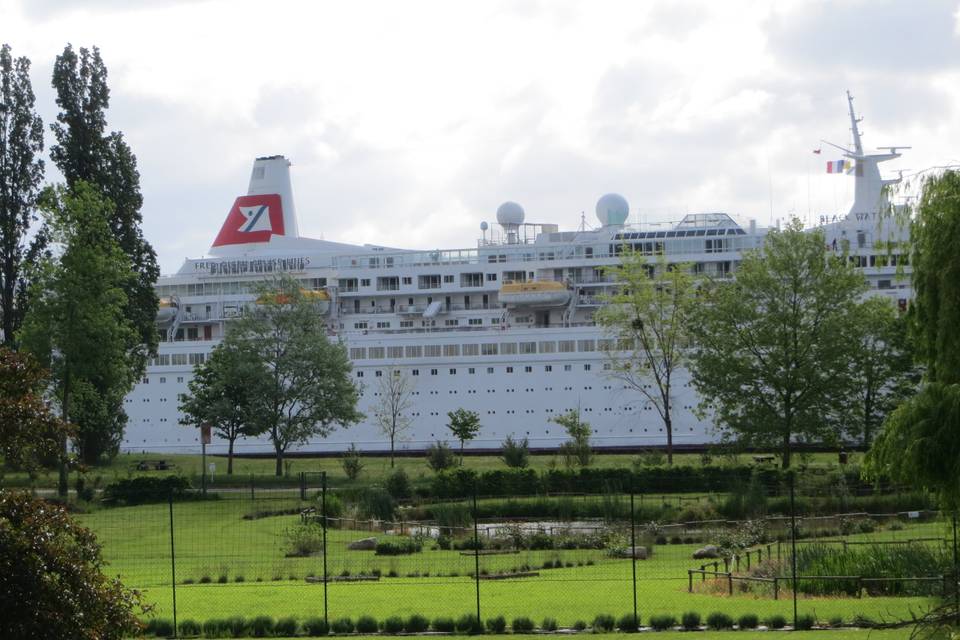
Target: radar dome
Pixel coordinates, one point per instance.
(484, 226)
(510, 213)
(612, 209)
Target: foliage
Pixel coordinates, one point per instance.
(393, 625)
(664, 622)
(21, 173)
(515, 454)
(145, 489)
(776, 621)
(443, 624)
(416, 624)
(650, 319)
(342, 625)
(315, 626)
(577, 448)
(310, 390)
(77, 324)
(398, 546)
(549, 624)
(398, 485)
(628, 623)
(54, 567)
(522, 625)
(376, 503)
(718, 621)
(440, 457)
(303, 540)
(469, 624)
(392, 412)
(351, 462)
(286, 627)
(224, 393)
(497, 625)
(464, 425)
(748, 621)
(367, 624)
(872, 561)
(29, 431)
(773, 347)
(805, 622)
(604, 623)
(262, 627)
(690, 620)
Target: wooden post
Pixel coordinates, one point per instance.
(776, 589)
(690, 581)
(730, 582)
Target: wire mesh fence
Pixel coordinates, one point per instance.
(795, 551)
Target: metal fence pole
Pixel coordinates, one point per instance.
(633, 553)
(956, 570)
(793, 542)
(476, 548)
(173, 565)
(323, 522)
(251, 487)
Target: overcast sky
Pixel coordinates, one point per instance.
(409, 122)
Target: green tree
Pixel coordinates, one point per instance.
(21, 173)
(77, 325)
(515, 454)
(30, 431)
(51, 577)
(310, 390)
(578, 446)
(649, 315)
(85, 151)
(392, 415)
(464, 425)
(919, 444)
(774, 347)
(226, 393)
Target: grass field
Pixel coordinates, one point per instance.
(214, 543)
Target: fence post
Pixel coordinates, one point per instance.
(633, 552)
(689, 580)
(303, 485)
(173, 565)
(793, 543)
(776, 588)
(251, 487)
(730, 583)
(476, 549)
(323, 521)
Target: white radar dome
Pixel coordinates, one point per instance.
(510, 213)
(484, 226)
(612, 209)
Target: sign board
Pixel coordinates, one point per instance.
(212, 467)
(204, 434)
(913, 514)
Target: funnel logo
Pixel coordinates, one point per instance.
(252, 219)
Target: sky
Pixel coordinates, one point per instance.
(408, 123)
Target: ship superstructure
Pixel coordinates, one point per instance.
(505, 328)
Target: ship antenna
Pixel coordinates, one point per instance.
(854, 122)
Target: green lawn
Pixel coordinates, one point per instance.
(212, 540)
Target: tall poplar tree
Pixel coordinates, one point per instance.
(21, 172)
(86, 151)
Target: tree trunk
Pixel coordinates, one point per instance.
(668, 425)
(391, 450)
(867, 413)
(279, 470)
(785, 456)
(62, 469)
(461, 453)
(230, 457)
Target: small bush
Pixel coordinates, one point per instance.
(549, 624)
(239, 579)
(690, 620)
(238, 626)
(352, 463)
(861, 620)
(190, 628)
(397, 546)
(470, 624)
(444, 625)
(398, 485)
(805, 622)
(315, 627)
(663, 622)
(522, 625)
(367, 624)
(515, 454)
(262, 627)
(440, 457)
(222, 579)
(342, 625)
(718, 621)
(497, 625)
(748, 621)
(836, 621)
(776, 621)
(303, 540)
(629, 623)
(416, 624)
(604, 622)
(392, 625)
(162, 628)
(286, 627)
(145, 489)
(216, 628)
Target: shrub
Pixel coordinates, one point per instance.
(748, 621)
(352, 463)
(836, 621)
(190, 628)
(262, 627)
(579, 625)
(286, 627)
(145, 489)
(216, 628)
(776, 621)
(376, 503)
(315, 627)
(629, 623)
(367, 624)
(690, 620)
(497, 625)
(440, 457)
(237, 626)
(393, 625)
(805, 622)
(522, 625)
(342, 625)
(861, 620)
(549, 624)
(604, 622)
(515, 455)
(162, 628)
(664, 622)
(444, 625)
(719, 621)
(416, 624)
(398, 485)
(222, 578)
(470, 624)
(397, 546)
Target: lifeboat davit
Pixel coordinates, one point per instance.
(167, 311)
(320, 299)
(534, 294)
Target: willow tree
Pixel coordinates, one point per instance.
(649, 318)
(920, 441)
(774, 347)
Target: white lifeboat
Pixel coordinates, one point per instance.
(534, 294)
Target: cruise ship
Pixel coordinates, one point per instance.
(505, 328)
